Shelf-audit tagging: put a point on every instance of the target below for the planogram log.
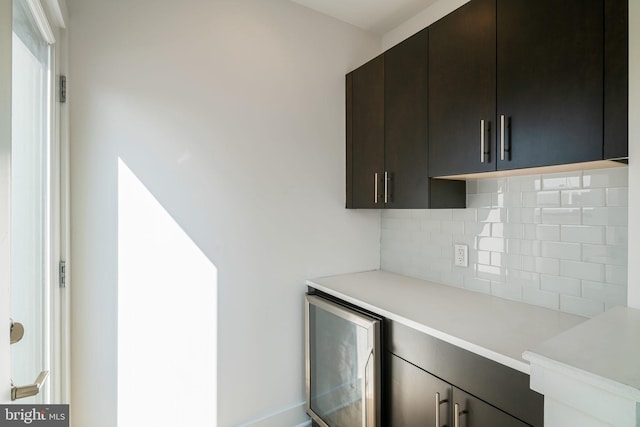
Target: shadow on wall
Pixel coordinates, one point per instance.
(167, 316)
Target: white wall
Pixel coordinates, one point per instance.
(231, 114)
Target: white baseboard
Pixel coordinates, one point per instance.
(291, 416)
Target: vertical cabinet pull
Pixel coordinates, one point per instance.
(386, 187)
(505, 126)
(375, 188)
(481, 141)
(456, 415)
(438, 403)
(502, 137)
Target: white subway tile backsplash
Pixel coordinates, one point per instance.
(553, 240)
(602, 178)
(581, 306)
(562, 250)
(483, 257)
(541, 199)
(561, 285)
(531, 215)
(492, 215)
(492, 244)
(508, 291)
(524, 279)
(429, 225)
(605, 216)
(472, 186)
(455, 278)
(617, 236)
(584, 197)
(531, 247)
(616, 274)
(468, 214)
(524, 183)
(452, 227)
(561, 181)
(492, 185)
(607, 293)
(582, 234)
(442, 214)
(506, 200)
(561, 216)
(477, 284)
(617, 196)
(582, 270)
(513, 231)
(605, 254)
(548, 265)
(547, 232)
(541, 298)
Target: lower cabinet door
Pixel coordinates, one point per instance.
(469, 411)
(418, 399)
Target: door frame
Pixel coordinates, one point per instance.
(5, 197)
(59, 298)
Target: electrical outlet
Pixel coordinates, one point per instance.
(461, 255)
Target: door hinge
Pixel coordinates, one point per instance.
(62, 89)
(63, 274)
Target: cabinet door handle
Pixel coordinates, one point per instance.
(456, 415)
(375, 188)
(438, 403)
(386, 187)
(481, 141)
(502, 137)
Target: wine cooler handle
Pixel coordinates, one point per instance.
(365, 390)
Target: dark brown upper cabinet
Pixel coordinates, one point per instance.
(462, 90)
(520, 83)
(365, 135)
(387, 150)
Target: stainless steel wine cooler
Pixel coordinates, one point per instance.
(343, 357)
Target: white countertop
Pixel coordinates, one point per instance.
(603, 351)
(496, 328)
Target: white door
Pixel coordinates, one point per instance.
(5, 194)
(28, 249)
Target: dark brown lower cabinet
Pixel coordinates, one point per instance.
(473, 412)
(413, 396)
(419, 399)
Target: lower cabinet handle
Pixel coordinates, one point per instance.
(456, 415)
(437, 409)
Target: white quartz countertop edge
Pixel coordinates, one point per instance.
(578, 374)
(516, 364)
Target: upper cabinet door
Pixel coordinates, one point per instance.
(462, 90)
(365, 135)
(405, 123)
(550, 82)
(616, 79)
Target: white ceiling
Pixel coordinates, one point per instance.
(376, 16)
